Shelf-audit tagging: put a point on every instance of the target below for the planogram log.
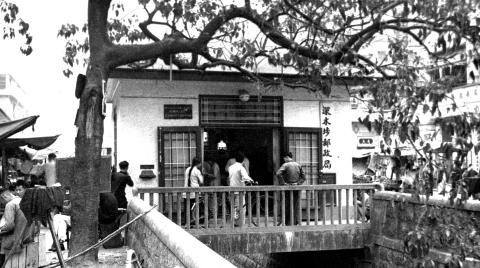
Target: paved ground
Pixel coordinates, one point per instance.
(108, 258)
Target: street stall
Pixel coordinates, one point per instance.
(20, 163)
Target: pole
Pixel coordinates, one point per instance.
(55, 239)
(4, 167)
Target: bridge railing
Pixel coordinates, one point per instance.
(262, 206)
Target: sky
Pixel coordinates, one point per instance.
(49, 93)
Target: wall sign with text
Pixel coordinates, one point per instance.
(177, 111)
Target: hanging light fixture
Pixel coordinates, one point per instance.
(221, 145)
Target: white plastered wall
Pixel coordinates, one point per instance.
(139, 105)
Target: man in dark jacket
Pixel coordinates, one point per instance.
(119, 181)
(291, 173)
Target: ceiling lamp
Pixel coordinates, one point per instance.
(221, 145)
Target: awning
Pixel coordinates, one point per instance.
(37, 143)
(7, 129)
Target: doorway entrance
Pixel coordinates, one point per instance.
(258, 144)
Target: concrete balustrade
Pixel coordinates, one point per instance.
(158, 242)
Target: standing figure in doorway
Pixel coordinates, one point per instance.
(212, 177)
(291, 173)
(245, 163)
(120, 180)
(237, 176)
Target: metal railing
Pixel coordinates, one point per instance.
(262, 206)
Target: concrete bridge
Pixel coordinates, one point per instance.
(332, 219)
(332, 216)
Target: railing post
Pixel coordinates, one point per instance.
(160, 202)
(315, 205)
(266, 208)
(324, 207)
(355, 212)
(292, 209)
(275, 208)
(307, 193)
(339, 206)
(150, 199)
(188, 207)
(205, 209)
(179, 209)
(332, 204)
(283, 208)
(257, 197)
(215, 209)
(363, 208)
(249, 205)
(224, 210)
(197, 210)
(232, 208)
(170, 206)
(347, 206)
(241, 209)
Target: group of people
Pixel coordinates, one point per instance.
(208, 174)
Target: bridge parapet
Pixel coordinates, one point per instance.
(448, 229)
(332, 216)
(160, 243)
(263, 206)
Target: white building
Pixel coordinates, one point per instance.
(158, 123)
(12, 98)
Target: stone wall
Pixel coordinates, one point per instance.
(445, 228)
(158, 242)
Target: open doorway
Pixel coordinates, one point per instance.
(256, 143)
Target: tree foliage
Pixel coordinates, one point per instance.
(14, 26)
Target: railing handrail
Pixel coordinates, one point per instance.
(256, 188)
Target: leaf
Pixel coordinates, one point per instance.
(426, 108)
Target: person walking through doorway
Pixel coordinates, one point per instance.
(237, 176)
(291, 173)
(120, 180)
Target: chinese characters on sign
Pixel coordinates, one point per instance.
(326, 135)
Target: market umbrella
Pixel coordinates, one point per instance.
(37, 143)
(7, 129)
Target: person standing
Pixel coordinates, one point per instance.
(120, 180)
(193, 178)
(291, 173)
(51, 170)
(212, 177)
(14, 225)
(237, 176)
(245, 163)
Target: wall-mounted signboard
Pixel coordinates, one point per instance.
(365, 143)
(177, 111)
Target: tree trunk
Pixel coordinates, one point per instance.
(88, 144)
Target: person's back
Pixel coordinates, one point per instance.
(119, 182)
(14, 225)
(50, 170)
(291, 172)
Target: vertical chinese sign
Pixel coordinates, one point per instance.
(326, 137)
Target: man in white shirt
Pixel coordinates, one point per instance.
(50, 170)
(245, 163)
(237, 176)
